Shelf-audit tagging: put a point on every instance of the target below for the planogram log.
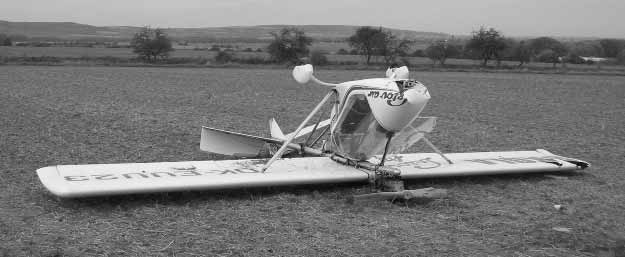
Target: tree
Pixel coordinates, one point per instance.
(586, 48)
(419, 53)
(621, 57)
(366, 41)
(151, 44)
(390, 47)
(5, 40)
(522, 53)
(289, 45)
(223, 57)
(547, 49)
(441, 50)
(486, 44)
(612, 47)
(342, 52)
(318, 58)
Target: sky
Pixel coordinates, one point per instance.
(562, 18)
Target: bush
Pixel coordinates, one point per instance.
(621, 57)
(318, 58)
(574, 59)
(441, 50)
(547, 56)
(151, 44)
(254, 60)
(289, 45)
(419, 53)
(342, 52)
(223, 57)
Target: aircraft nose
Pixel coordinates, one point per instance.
(394, 114)
(421, 91)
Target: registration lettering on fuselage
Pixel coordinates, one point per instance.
(392, 98)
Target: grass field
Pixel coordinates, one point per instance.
(71, 115)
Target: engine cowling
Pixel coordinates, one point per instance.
(395, 110)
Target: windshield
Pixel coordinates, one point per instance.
(359, 135)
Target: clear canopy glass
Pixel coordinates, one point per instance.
(359, 135)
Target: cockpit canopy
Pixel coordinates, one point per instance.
(358, 134)
(369, 115)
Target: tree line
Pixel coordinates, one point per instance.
(291, 45)
(488, 44)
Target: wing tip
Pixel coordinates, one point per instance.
(51, 180)
(580, 164)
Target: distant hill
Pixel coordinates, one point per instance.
(76, 31)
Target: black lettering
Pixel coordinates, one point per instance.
(228, 171)
(105, 177)
(506, 160)
(129, 175)
(482, 161)
(187, 173)
(246, 170)
(389, 102)
(156, 174)
(76, 178)
(373, 94)
(521, 160)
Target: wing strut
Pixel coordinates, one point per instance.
(436, 150)
(292, 135)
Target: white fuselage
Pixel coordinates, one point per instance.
(368, 112)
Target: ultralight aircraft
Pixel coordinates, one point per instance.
(371, 122)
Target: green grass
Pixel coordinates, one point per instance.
(69, 115)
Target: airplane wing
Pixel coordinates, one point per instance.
(115, 179)
(429, 165)
(130, 178)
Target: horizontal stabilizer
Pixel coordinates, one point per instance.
(231, 143)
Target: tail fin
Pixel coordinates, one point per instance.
(275, 130)
(231, 143)
(277, 133)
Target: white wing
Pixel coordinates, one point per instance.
(114, 179)
(129, 178)
(428, 165)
